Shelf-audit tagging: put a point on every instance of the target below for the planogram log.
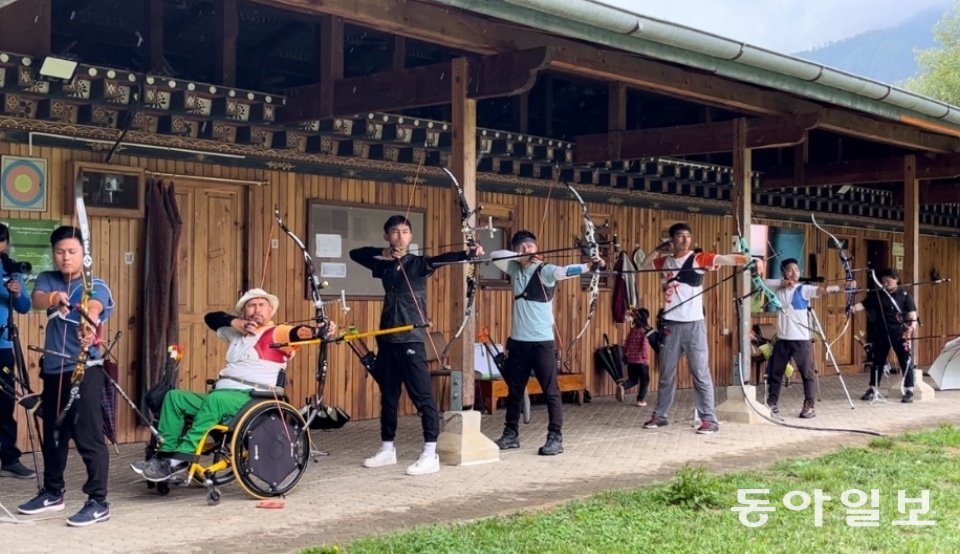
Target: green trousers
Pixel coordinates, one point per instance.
(207, 410)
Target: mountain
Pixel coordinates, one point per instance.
(886, 55)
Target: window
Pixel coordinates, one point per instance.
(501, 218)
(775, 244)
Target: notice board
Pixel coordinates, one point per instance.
(333, 230)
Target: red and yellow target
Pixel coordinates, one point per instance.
(24, 184)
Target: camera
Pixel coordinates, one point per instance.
(11, 266)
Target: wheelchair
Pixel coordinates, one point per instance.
(265, 447)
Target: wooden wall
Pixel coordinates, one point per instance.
(555, 220)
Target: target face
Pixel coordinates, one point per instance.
(24, 184)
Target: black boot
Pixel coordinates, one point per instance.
(509, 439)
(808, 411)
(553, 446)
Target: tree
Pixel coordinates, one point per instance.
(940, 67)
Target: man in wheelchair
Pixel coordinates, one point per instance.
(252, 365)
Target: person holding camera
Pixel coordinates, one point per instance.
(13, 297)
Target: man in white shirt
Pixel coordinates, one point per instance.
(251, 364)
(793, 334)
(683, 328)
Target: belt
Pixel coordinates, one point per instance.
(254, 385)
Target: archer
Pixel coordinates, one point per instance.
(401, 357)
(682, 322)
(531, 346)
(62, 293)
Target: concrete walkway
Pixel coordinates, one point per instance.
(338, 500)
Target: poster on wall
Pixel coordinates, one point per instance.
(23, 184)
(30, 242)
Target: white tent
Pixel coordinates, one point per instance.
(945, 370)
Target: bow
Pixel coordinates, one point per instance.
(320, 313)
(756, 281)
(845, 260)
(593, 251)
(469, 232)
(87, 288)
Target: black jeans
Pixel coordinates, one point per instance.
(405, 364)
(9, 453)
(541, 357)
(84, 424)
(783, 351)
(638, 374)
(882, 343)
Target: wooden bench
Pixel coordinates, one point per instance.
(492, 390)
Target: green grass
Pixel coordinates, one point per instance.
(692, 512)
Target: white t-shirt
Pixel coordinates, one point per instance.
(250, 358)
(678, 305)
(793, 320)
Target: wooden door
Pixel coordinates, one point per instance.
(211, 271)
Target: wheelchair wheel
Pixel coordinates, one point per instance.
(270, 448)
(222, 477)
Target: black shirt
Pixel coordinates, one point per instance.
(402, 299)
(881, 312)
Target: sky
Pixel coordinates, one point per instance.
(786, 26)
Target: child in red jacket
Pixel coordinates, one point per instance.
(636, 352)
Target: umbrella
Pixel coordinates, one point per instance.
(610, 358)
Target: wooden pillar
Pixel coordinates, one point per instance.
(548, 105)
(735, 408)
(742, 194)
(330, 48)
(617, 107)
(911, 222)
(25, 27)
(464, 160)
(399, 52)
(801, 152)
(521, 106)
(229, 30)
(155, 20)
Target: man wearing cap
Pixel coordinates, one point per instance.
(530, 346)
(401, 357)
(251, 365)
(889, 326)
(683, 328)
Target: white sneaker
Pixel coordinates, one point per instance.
(426, 465)
(381, 458)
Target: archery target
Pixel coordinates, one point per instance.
(24, 183)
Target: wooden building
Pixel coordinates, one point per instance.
(251, 105)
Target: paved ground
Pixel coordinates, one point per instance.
(338, 500)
